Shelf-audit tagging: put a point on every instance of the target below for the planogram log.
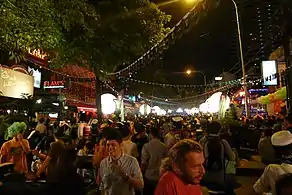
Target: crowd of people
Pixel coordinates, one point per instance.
(170, 155)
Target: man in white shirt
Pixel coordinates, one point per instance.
(282, 141)
(120, 173)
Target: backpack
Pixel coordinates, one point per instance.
(218, 162)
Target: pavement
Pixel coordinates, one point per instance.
(247, 174)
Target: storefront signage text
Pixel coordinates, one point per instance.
(38, 53)
(54, 84)
(15, 84)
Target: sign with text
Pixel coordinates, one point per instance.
(269, 69)
(15, 84)
(54, 84)
(38, 53)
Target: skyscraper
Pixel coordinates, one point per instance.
(261, 26)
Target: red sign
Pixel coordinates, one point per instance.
(54, 84)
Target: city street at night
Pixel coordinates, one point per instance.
(145, 97)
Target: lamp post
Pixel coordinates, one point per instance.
(242, 61)
(188, 72)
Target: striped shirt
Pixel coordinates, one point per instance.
(111, 182)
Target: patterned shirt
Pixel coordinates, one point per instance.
(14, 153)
(111, 182)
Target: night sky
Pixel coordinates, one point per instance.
(207, 47)
(212, 45)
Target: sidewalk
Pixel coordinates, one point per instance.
(253, 168)
(247, 174)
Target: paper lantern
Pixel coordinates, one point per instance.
(108, 104)
(145, 109)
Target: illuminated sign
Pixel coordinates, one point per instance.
(38, 53)
(269, 70)
(15, 84)
(37, 75)
(54, 84)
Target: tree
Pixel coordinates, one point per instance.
(122, 31)
(27, 24)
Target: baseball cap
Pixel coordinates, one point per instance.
(281, 138)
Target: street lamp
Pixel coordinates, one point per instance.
(242, 61)
(188, 72)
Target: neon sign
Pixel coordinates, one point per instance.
(54, 84)
(38, 53)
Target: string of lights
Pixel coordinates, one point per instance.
(165, 85)
(77, 78)
(196, 96)
(227, 87)
(236, 81)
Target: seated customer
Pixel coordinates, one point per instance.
(282, 142)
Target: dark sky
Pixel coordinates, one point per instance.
(212, 45)
(207, 47)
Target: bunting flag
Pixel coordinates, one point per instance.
(199, 95)
(181, 28)
(218, 84)
(237, 81)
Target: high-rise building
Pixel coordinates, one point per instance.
(261, 28)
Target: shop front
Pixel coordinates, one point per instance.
(16, 87)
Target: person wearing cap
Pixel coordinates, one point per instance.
(282, 142)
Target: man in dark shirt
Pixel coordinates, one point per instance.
(140, 138)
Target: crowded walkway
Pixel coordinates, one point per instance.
(167, 155)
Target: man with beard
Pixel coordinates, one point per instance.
(183, 170)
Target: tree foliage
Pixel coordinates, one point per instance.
(93, 33)
(123, 31)
(28, 24)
